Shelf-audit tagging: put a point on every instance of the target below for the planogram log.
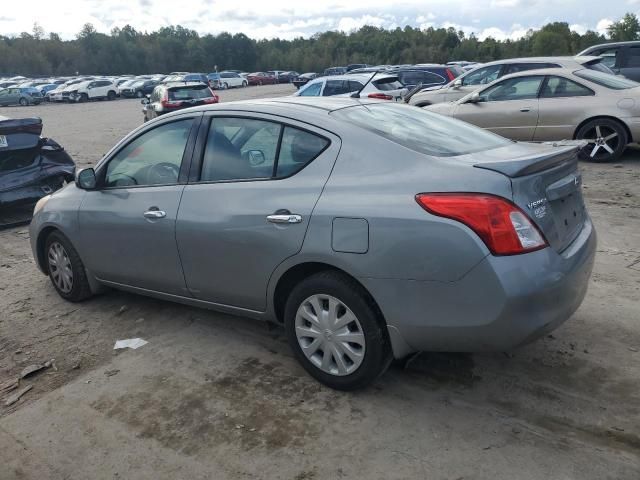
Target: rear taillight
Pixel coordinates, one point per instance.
(450, 74)
(170, 103)
(380, 96)
(503, 227)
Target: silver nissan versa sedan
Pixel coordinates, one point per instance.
(371, 230)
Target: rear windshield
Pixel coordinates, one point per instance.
(420, 130)
(613, 82)
(598, 66)
(391, 83)
(188, 93)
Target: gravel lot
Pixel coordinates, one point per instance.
(214, 396)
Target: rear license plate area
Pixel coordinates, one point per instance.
(569, 213)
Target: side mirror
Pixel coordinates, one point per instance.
(86, 179)
(145, 101)
(457, 83)
(475, 98)
(256, 157)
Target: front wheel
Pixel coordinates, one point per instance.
(65, 268)
(336, 332)
(244, 84)
(23, 102)
(139, 94)
(606, 139)
(111, 95)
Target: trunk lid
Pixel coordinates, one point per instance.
(17, 134)
(547, 185)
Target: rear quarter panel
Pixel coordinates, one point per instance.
(376, 180)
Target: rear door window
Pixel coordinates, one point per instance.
(391, 83)
(563, 87)
(252, 149)
(609, 56)
(633, 57)
(335, 87)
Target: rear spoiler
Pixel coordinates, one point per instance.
(564, 152)
(21, 125)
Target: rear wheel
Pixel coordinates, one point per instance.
(139, 94)
(65, 268)
(244, 84)
(607, 140)
(336, 332)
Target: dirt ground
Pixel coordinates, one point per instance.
(216, 397)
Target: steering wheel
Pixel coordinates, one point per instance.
(163, 172)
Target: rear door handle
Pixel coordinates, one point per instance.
(154, 213)
(525, 109)
(284, 218)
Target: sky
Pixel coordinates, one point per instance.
(288, 19)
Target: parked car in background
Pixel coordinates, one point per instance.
(61, 94)
(287, 77)
(232, 80)
(277, 220)
(488, 72)
(20, 96)
(261, 78)
(355, 66)
(171, 97)
(621, 57)
(99, 89)
(213, 79)
(556, 104)
(303, 79)
(187, 77)
(427, 75)
(30, 167)
(334, 71)
(44, 89)
(138, 88)
(382, 86)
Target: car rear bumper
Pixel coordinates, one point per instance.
(503, 302)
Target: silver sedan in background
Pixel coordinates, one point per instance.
(369, 229)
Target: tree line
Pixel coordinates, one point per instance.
(128, 51)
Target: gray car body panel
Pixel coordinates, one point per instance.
(434, 280)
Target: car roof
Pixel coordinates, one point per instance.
(581, 59)
(357, 76)
(183, 84)
(611, 44)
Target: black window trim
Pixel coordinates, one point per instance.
(187, 155)
(195, 172)
(513, 99)
(546, 79)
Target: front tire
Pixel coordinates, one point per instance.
(139, 94)
(23, 102)
(66, 270)
(111, 95)
(336, 331)
(244, 84)
(607, 140)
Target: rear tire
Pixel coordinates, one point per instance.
(139, 94)
(607, 140)
(66, 270)
(244, 84)
(353, 363)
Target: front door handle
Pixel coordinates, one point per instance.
(284, 218)
(525, 109)
(154, 213)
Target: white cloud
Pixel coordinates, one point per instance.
(603, 24)
(289, 18)
(578, 28)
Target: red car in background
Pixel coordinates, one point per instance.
(261, 78)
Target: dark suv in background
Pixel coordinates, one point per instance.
(176, 96)
(139, 89)
(621, 57)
